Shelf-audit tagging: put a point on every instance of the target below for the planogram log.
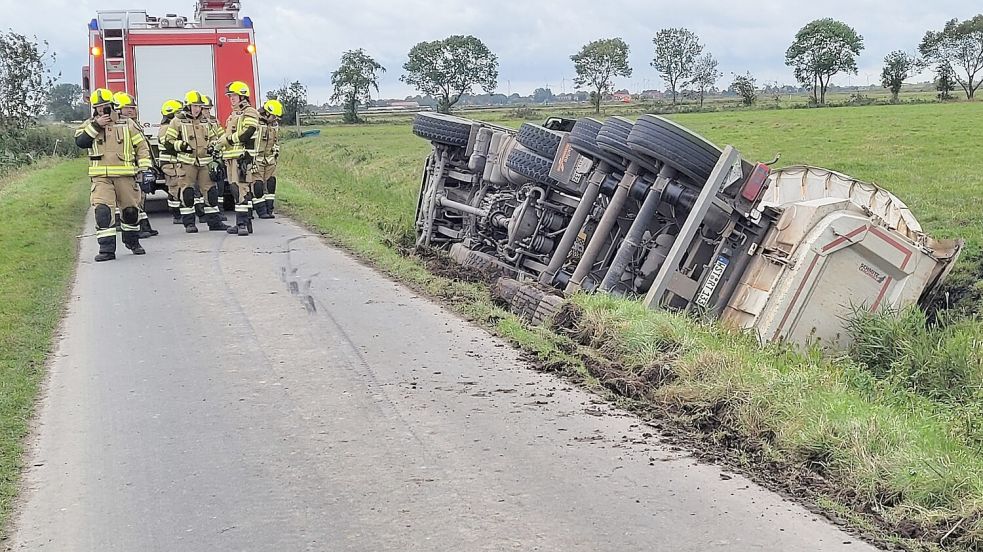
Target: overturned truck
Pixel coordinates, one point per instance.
(648, 209)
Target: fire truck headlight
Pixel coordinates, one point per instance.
(95, 51)
(251, 49)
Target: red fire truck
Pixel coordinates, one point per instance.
(158, 58)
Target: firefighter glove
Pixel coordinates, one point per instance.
(147, 180)
(215, 171)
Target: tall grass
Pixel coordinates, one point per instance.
(942, 361)
(37, 259)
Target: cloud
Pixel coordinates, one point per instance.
(303, 39)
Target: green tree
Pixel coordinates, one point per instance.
(449, 68)
(676, 51)
(746, 87)
(822, 49)
(898, 66)
(293, 96)
(945, 81)
(354, 80)
(25, 79)
(597, 63)
(542, 95)
(66, 103)
(705, 75)
(960, 46)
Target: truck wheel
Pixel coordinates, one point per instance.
(613, 138)
(531, 165)
(674, 145)
(443, 129)
(583, 139)
(543, 141)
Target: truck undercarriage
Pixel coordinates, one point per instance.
(648, 209)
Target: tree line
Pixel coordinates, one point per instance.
(451, 68)
(455, 66)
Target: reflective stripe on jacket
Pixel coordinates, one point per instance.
(240, 131)
(166, 153)
(190, 133)
(267, 143)
(120, 149)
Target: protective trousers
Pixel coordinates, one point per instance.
(198, 190)
(242, 191)
(173, 190)
(109, 193)
(266, 183)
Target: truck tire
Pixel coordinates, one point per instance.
(613, 138)
(583, 140)
(674, 145)
(531, 165)
(543, 141)
(583, 137)
(443, 129)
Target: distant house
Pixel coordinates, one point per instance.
(622, 97)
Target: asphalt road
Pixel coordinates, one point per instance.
(270, 393)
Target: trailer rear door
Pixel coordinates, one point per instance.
(167, 72)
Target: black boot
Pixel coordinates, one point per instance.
(188, 220)
(146, 231)
(262, 210)
(132, 242)
(107, 249)
(215, 223)
(269, 208)
(176, 213)
(240, 228)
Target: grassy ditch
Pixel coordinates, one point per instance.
(37, 260)
(890, 445)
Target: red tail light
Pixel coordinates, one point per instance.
(756, 183)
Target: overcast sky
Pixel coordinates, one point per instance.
(303, 39)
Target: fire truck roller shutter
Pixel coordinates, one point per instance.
(165, 72)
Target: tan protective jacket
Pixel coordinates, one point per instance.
(120, 149)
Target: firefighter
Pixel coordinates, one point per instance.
(216, 169)
(168, 158)
(239, 137)
(267, 150)
(126, 105)
(188, 134)
(119, 157)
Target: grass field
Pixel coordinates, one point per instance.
(37, 260)
(883, 453)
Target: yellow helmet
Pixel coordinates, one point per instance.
(100, 96)
(238, 88)
(193, 97)
(207, 101)
(122, 99)
(170, 107)
(273, 107)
